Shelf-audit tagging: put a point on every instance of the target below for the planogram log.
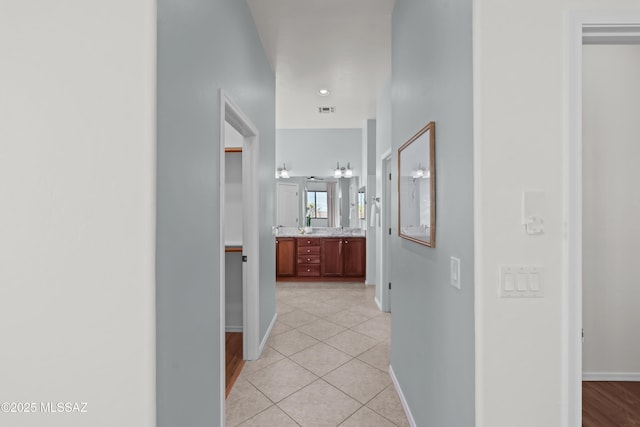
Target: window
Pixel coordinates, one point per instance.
(317, 204)
(361, 205)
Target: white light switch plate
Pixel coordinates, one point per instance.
(521, 281)
(454, 275)
(533, 212)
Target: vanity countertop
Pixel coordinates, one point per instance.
(320, 232)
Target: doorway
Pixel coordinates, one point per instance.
(611, 233)
(241, 233)
(233, 238)
(383, 293)
(583, 28)
(288, 205)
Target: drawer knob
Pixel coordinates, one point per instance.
(308, 241)
(308, 259)
(308, 269)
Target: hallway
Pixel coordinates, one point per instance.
(325, 364)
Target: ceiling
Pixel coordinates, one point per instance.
(341, 45)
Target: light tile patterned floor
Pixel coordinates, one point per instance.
(325, 364)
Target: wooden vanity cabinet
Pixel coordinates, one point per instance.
(308, 262)
(286, 257)
(332, 258)
(354, 257)
(321, 258)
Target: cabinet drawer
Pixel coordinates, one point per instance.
(308, 242)
(308, 259)
(308, 250)
(308, 270)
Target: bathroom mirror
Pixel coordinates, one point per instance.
(417, 188)
(325, 201)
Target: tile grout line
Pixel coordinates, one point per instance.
(293, 392)
(358, 302)
(379, 393)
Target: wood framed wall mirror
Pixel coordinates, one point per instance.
(417, 187)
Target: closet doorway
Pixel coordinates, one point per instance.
(239, 268)
(588, 28)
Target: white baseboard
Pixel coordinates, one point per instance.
(378, 303)
(233, 328)
(405, 405)
(267, 334)
(611, 376)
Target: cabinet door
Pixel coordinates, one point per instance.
(331, 257)
(354, 257)
(285, 257)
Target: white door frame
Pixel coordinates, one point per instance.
(385, 224)
(587, 27)
(231, 113)
(278, 185)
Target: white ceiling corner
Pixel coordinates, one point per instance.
(341, 45)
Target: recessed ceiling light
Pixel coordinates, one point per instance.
(323, 92)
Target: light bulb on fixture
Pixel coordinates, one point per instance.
(421, 172)
(348, 173)
(282, 172)
(342, 172)
(323, 92)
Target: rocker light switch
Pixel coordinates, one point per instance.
(454, 279)
(534, 281)
(521, 281)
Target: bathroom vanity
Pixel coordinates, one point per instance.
(331, 257)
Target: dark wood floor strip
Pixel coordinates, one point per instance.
(610, 404)
(234, 360)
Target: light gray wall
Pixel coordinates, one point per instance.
(432, 350)
(310, 152)
(233, 291)
(233, 209)
(233, 216)
(203, 46)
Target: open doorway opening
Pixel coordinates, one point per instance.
(598, 198)
(239, 269)
(383, 293)
(233, 219)
(611, 234)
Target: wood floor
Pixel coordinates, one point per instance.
(610, 404)
(234, 361)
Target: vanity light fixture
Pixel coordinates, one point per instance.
(324, 92)
(348, 173)
(342, 172)
(421, 173)
(282, 172)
